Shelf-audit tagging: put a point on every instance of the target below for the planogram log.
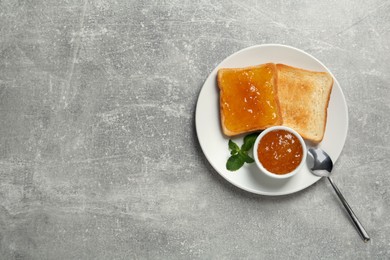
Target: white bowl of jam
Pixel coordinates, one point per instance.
(279, 152)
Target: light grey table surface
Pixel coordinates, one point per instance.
(99, 157)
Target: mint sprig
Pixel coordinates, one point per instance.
(239, 156)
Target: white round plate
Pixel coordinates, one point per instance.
(215, 145)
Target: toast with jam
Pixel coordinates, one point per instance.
(248, 99)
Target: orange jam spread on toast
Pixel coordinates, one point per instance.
(248, 100)
(280, 151)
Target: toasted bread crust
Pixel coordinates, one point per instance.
(223, 114)
(304, 98)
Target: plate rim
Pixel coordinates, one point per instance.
(211, 74)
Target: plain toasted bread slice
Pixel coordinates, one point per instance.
(304, 98)
(248, 99)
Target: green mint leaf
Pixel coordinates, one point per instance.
(233, 152)
(246, 157)
(249, 140)
(240, 156)
(235, 162)
(233, 146)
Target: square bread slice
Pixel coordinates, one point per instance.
(248, 99)
(304, 98)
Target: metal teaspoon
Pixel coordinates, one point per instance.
(322, 167)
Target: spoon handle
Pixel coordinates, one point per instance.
(363, 233)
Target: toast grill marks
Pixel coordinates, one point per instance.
(248, 99)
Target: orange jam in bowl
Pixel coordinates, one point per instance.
(279, 152)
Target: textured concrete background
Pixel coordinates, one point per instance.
(98, 153)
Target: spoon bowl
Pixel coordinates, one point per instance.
(322, 166)
(322, 163)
